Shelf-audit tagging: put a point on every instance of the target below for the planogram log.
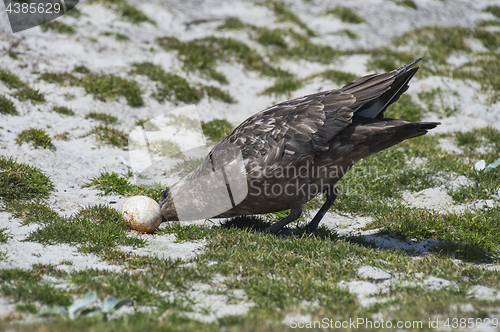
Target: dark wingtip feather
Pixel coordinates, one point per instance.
(428, 125)
(405, 68)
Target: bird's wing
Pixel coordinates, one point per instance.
(305, 126)
(297, 127)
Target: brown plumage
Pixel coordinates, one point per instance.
(322, 134)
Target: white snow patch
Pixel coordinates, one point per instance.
(374, 273)
(435, 283)
(296, 318)
(164, 246)
(484, 293)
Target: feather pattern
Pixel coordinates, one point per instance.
(334, 128)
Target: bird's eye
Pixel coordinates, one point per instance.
(164, 195)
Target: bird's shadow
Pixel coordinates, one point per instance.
(380, 241)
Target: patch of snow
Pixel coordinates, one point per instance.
(164, 246)
(208, 308)
(435, 283)
(374, 273)
(430, 198)
(360, 287)
(484, 293)
(466, 307)
(6, 308)
(295, 318)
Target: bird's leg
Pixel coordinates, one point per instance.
(331, 195)
(295, 213)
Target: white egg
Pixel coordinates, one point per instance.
(141, 213)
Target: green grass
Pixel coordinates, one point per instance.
(438, 44)
(176, 88)
(58, 27)
(386, 60)
(75, 12)
(490, 40)
(172, 87)
(218, 94)
(489, 23)
(37, 138)
(217, 129)
(349, 34)
(405, 109)
(32, 211)
(7, 107)
(28, 286)
(204, 54)
(485, 69)
(94, 229)
(63, 110)
(271, 37)
(118, 36)
(22, 181)
(476, 138)
(103, 87)
(134, 15)
(493, 9)
(11, 80)
(81, 69)
(127, 12)
(407, 3)
(338, 76)
(13, 55)
(478, 230)
(110, 135)
(27, 93)
(276, 46)
(346, 15)
(113, 183)
(283, 86)
(303, 48)
(24, 92)
(4, 235)
(232, 23)
(102, 117)
(284, 14)
(59, 78)
(435, 102)
(276, 273)
(166, 148)
(28, 307)
(62, 136)
(108, 87)
(184, 121)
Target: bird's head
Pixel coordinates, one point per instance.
(167, 207)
